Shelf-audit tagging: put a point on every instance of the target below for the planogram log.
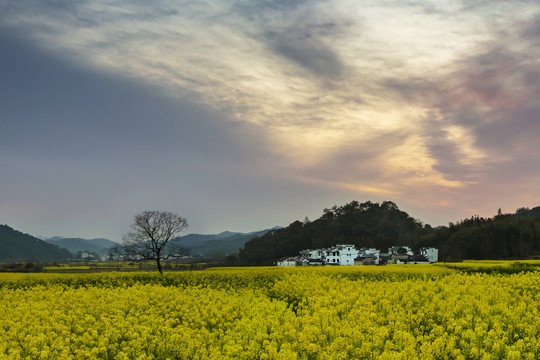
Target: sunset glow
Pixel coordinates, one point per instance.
(246, 115)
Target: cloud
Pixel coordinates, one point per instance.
(309, 53)
(96, 106)
(422, 102)
(481, 126)
(494, 93)
(302, 33)
(531, 31)
(77, 143)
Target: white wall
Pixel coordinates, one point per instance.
(347, 254)
(432, 254)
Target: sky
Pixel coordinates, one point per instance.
(244, 115)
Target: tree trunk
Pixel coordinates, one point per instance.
(158, 262)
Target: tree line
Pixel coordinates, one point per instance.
(370, 224)
(504, 236)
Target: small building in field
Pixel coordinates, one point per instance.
(418, 259)
(314, 262)
(407, 259)
(400, 250)
(366, 259)
(287, 262)
(368, 256)
(309, 254)
(399, 259)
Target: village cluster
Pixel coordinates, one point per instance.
(350, 255)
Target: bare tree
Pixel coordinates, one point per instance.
(151, 238)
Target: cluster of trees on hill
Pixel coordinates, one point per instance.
(367, 224)
(370, 224)
(505, 236)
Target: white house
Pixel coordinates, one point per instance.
(341, 255)
(432, 254)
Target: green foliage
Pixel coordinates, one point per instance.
(362, 224)
(28, 267)
(505, 236)
(368, 224)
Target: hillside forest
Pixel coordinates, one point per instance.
(370, 224)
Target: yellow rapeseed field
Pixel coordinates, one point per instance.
(385, 312)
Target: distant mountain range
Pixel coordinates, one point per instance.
(98, 246)
(16, 246)
(225, 243)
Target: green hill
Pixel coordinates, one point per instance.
(16, 246)
(505, 236)
(362, 224)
